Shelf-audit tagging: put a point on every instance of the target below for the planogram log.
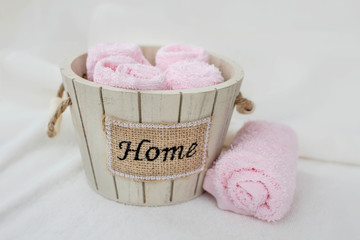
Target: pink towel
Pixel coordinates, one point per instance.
(176, 52)
(138, 76)
(101, 50)
(192, 74)
(257, 175)
(104, 72)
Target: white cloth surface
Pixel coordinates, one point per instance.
(54, 201)
(301, 61)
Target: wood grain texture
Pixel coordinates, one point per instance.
(221, 114)
(91, 109)
(193, 107)
(199, 189)
(157, 108)
(235, 88)
(150, 53)
(124, 105)
(67, 77)
(91, 101)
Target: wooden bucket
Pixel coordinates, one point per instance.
(91, 101)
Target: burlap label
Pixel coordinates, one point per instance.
(153, 152)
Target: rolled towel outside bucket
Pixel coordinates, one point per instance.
(257, 175)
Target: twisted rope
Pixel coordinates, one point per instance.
(59, 110)
(61, 90)
(243, 105)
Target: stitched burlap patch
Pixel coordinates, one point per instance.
(153, 152)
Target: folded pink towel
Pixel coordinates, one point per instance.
(137, 76)
(176, 52)
(104, 72)
(192, 74)
(257, 175)
(106, 49)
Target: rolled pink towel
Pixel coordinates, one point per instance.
(138, 76)
(192, 74)
(104, 72)
(257, 175)
(106, 49)
(176, 52)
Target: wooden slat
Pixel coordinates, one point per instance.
(199, 189)
(124, 105)
(81, 138)
(157, 108)
(193, 107)
(91, 108)
(236, 88)
(129, 192)
(149, 106)
(222, 113)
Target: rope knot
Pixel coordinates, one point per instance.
(243, 105)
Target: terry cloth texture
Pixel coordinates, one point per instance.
(104, 72)
(192, 74)
(105, 49)
(176, 52)
(257, 175)
(139, 76)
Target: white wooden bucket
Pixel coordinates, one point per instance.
(91, 101)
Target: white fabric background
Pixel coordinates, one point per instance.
(301, 60)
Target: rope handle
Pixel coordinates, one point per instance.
(244, 105)
(57, 107)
